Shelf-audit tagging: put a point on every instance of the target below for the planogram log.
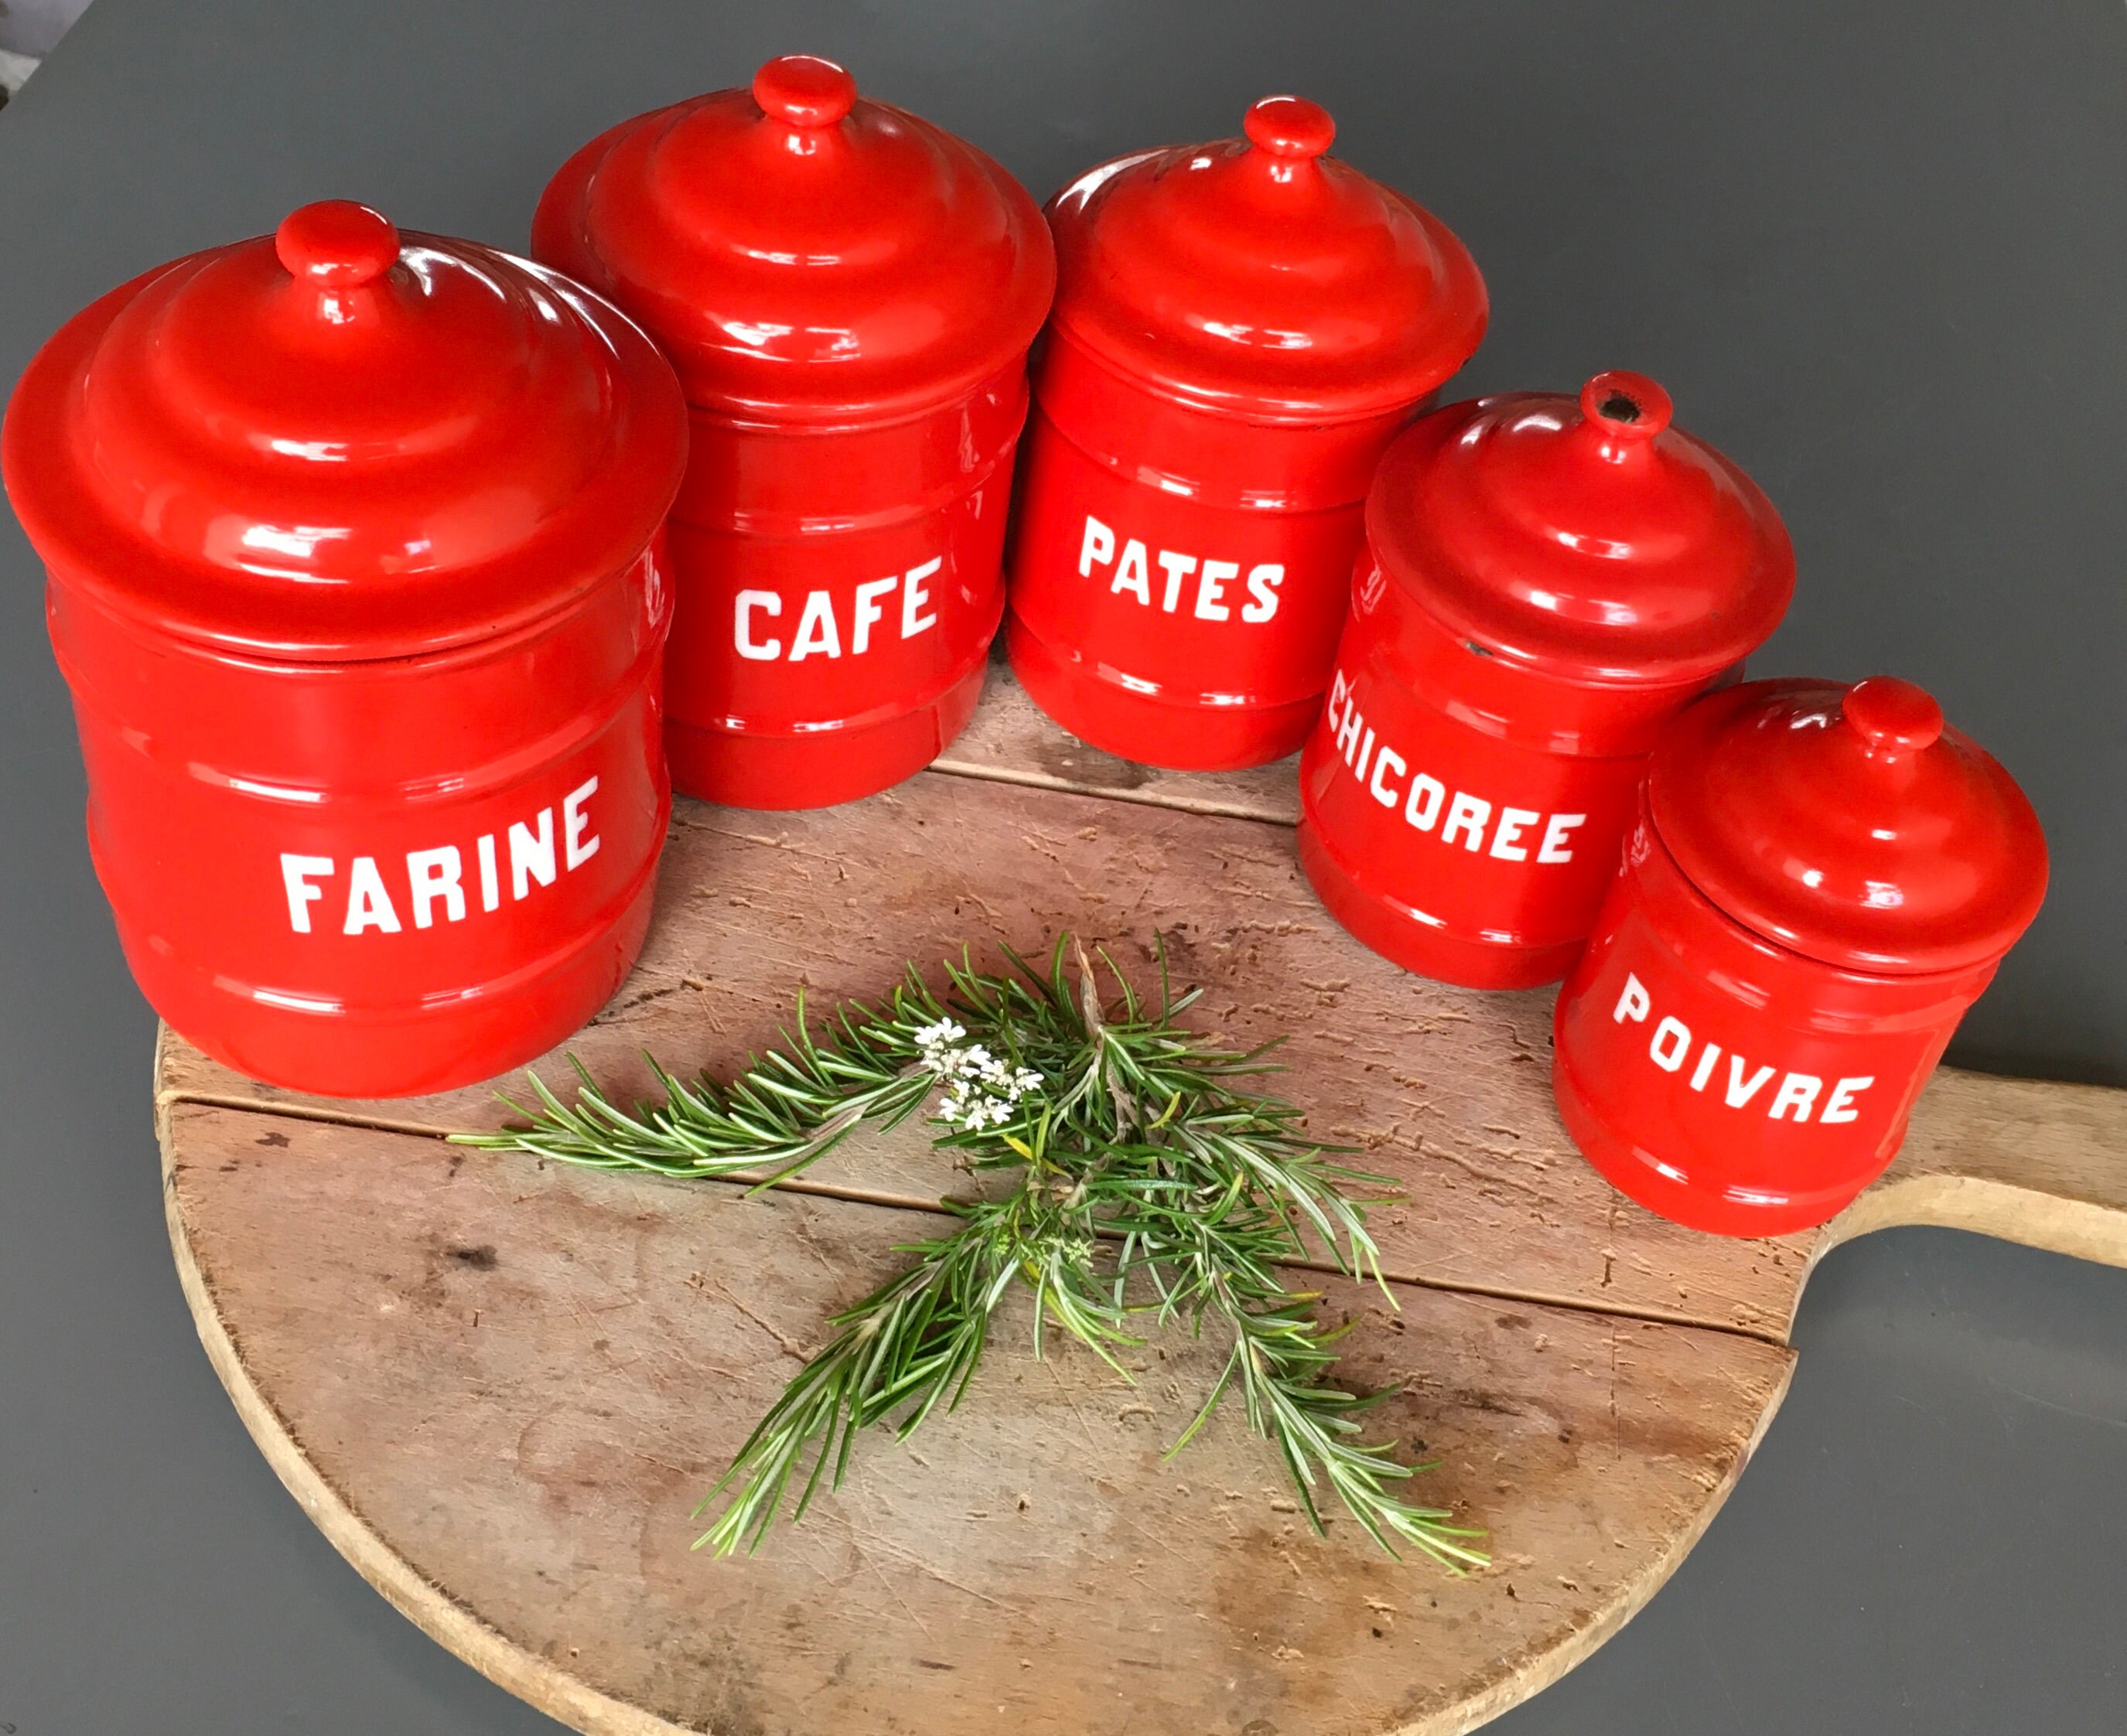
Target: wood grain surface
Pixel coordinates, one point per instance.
(499, 1387)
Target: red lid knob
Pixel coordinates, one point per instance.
(802, 90)
(1894, 717)
(1290, 127)
(336, 243)
(1626, 407)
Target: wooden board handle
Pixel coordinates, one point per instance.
(2027, 1160)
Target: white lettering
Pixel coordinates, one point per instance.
(369, 905)
(1347, 732)
(1263, 582)
(1427, 794)
(816, 632)
(1387, 797)
(914, 596)
(577, 849)
(490, 885)
(295, 873)
(1514, 821)
(438, 876)
(1098, 548)
(1212, 586)
(434, 874)
(761, 651)
(1469, 817)
(1632, 1002)
(531, 858)
(1797, 1092)
(868, 611)
(1739, 1093)
(1177, 567)
(1554, 846)
(1466, 813)
(1671, 1044)
(1132, 574)
(1839, 1106)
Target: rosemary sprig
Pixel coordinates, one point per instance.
(1150, 1182)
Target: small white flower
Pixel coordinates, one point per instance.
(939, 1035)
(981, 1089)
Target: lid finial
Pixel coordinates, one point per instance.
(1290, 127)
(1894, 716)
(804, 91)
(1628, 408)
(336, 243)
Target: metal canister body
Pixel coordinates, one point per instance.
(367, 829)
(834, 640)
(848, 294)
(1466, 794)
(1240, 330)
(1736, 1082)
(379, 878)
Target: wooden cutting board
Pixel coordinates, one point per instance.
(499, 1387)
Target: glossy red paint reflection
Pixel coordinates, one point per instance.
(1819, 884)
(1545, 584)
(1241, 328)
(848, 294)
(352, 539)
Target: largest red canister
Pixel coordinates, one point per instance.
(352, 540)
(848, 293)
(1545, 584)
(1241, 328)
(1820, 882)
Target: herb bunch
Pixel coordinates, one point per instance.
(1150, 1183)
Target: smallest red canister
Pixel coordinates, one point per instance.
(1545, 584)
(1821, 880)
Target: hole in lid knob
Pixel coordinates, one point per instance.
(1892, 715)
(337, 243)
(803, 90)
(1290, 127)
(1626, 406)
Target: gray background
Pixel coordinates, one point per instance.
(33, 26)
(1875, 250)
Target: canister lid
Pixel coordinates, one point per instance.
(340, 442)
(802, 252)
(1588, 539)
(1849, 824)
(1263, 277)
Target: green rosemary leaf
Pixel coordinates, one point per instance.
(1145, 1170)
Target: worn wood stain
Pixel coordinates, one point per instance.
(500, 1386)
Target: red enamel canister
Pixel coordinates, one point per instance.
(351, 540)
(1820, 882)
(849, 294)
(1241, 328)
(1544, 585)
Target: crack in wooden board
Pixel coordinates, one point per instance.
(335, 1258)
(500, 1385)
(1010, 741)
(1446, 1091)
(940, 1205)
